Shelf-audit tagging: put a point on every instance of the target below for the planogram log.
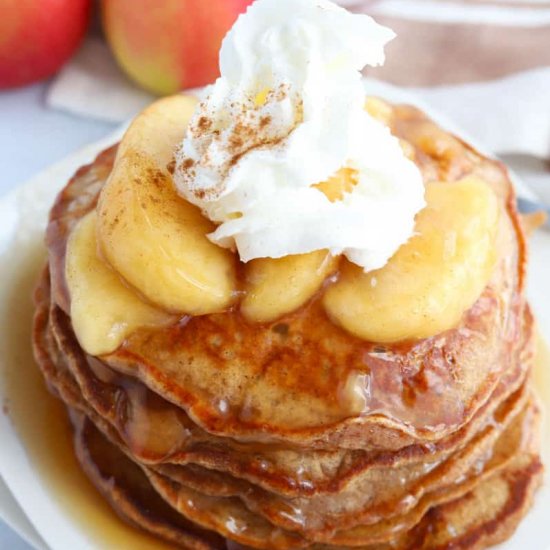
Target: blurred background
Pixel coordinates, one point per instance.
(72, 71)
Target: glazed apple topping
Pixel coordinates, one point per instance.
(157, 263)
(148, 234)
(432, 279)
(104, 310)
(204, 214)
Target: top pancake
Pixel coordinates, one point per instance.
(294, 380)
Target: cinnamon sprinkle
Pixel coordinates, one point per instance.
(248, 133)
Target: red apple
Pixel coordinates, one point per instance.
(38, 36)
(169, 45)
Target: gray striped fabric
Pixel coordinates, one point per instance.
(485, 63)
(459, 41)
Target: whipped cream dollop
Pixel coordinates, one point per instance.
(286, 114)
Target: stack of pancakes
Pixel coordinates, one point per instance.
(218, 433)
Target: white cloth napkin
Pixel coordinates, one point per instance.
(92, 85)
(508, 115)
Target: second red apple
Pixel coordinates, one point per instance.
(169, 45)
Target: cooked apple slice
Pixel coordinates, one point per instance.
(103, 310)
(276, 286)
(433, 278)
(149, 234)
(337, 185)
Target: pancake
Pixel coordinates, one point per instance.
(129, 493)
(241, 433)
(248, 392)
(501, 453)
(407, 516)
(107, 397)
(382, 494)
(486, 513)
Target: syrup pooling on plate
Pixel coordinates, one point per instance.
(42, 426)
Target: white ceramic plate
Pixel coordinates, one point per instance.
(48, 486)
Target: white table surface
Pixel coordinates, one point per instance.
(32, 137)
